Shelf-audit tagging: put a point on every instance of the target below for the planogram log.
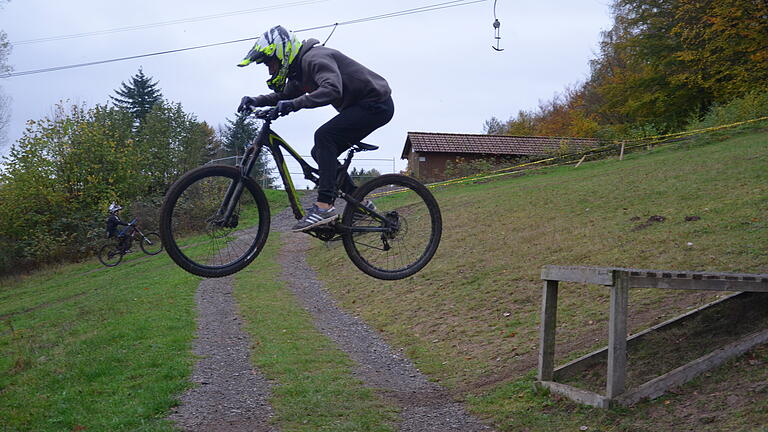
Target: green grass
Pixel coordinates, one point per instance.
(470, 318)
(98, 350)
(84, 347)
(315, 389)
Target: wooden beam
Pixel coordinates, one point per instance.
(580, 161)
(547, 331)
(657, 386)
(617, 336)
(579, 274)
(576, 394)
(699, 284)
(582, 363)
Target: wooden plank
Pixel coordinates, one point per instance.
(676, 274)
(576, 394)
(573, 367)
(656, 387)
(580, 161)
(617, 336)
(698, 284)
(579, 274)
(547, 331)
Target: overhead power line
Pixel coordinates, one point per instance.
(429, 8)
(166, 23)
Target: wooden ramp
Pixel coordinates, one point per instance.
(620, 281)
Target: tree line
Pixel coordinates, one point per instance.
(60, 176)
(663, 65)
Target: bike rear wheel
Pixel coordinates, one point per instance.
(150, 243)
(414, 227)
(192, 229)
(110, 256)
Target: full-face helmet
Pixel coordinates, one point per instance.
(276, 43)
(114, 208)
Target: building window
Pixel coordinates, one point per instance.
(422, 158)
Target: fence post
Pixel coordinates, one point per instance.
(617, 334)
(547, 331)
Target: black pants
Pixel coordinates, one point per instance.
(333, 138)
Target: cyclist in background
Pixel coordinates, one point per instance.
(304, 74)
(113, 221)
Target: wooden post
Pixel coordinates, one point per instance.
(617, 335)
(547, 331)
(621, 155)
(580, 161)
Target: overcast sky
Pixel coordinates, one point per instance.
(444, 75)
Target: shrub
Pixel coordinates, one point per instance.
(752, 105)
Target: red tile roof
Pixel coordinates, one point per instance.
(431, 142)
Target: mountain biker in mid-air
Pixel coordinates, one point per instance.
(304, 74)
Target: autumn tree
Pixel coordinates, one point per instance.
(662, 64)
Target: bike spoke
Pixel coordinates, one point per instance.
(403, 247)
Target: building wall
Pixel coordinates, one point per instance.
(432, 167)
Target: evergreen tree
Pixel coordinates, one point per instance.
(237, 135)
(138, 97)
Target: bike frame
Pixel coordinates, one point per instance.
(272, 141)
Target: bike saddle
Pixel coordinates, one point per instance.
(361, 146)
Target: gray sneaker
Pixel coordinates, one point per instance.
(315, 217)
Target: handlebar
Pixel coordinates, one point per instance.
(266, 114)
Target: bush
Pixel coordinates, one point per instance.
(751, 106)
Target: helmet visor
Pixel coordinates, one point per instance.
(262, 50)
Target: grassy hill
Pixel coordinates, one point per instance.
(87, 348)
(470, 318)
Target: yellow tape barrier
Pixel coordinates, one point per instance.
(640, 142)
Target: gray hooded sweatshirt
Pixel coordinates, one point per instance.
(322, 76)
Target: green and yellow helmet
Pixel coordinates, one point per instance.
(279, 43)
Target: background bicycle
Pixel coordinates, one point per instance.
(150, 243)
(215, 219)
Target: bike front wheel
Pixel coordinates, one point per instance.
(151, 244)
(404, 238)
(110, 256)
(194, 232)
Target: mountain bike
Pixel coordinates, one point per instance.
(215, 219)
(111, 254)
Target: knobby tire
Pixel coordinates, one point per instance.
(412, 246)
(104, 255)
(151, 249)
(206, 249)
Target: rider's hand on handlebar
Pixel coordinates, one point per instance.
(247, 104)
(284, 107)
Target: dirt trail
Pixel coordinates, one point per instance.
(230, 395)
(425, 406)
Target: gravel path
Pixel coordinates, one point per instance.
(230, 395)
(425, 406)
